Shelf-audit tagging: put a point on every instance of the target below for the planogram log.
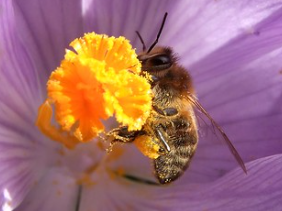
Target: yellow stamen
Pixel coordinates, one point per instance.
(44, 123)
(99, 80)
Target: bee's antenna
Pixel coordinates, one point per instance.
(142, 41)
(159, 34)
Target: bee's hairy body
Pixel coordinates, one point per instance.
(172, 116)
(171, 124)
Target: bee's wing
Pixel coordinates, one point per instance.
(218, 129)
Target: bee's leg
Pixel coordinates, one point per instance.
(121, 134)
(161, 135)
(160, 129)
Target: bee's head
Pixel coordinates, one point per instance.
(161, 64)
(157, 62)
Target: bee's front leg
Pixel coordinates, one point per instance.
(121, 134)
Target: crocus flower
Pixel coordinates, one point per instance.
(232, 49)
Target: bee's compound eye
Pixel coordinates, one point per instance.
(160, 60)
(157, 63)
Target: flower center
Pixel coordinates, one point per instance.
(97, 80)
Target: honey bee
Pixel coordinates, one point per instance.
(172, 123)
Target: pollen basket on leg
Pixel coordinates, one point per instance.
(147, 146)
(97, 80)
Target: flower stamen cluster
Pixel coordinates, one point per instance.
(99, 79)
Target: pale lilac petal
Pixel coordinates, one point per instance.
(25, 162)
(125, 17)
(246, 103)
(130, 160)
(46, 29)
(192, 28)
(259, 190)
(55, 191)
(23, 156)
(19, 79)
(23, 153)
(22, 163)
(245, 99)
(199, 28)
(242, 99)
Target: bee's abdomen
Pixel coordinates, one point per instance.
(182, 139)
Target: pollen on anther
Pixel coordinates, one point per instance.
(97, 80)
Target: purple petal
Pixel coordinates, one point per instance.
(21, 157)
(207, 26)
(55, 191)
(249, 111)
(246, 104)
(47, 31)
(244, 98)
(192, 28)
(22, 162)
(21, 87)
(259, 190)
(125, 17)
(234, 191)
